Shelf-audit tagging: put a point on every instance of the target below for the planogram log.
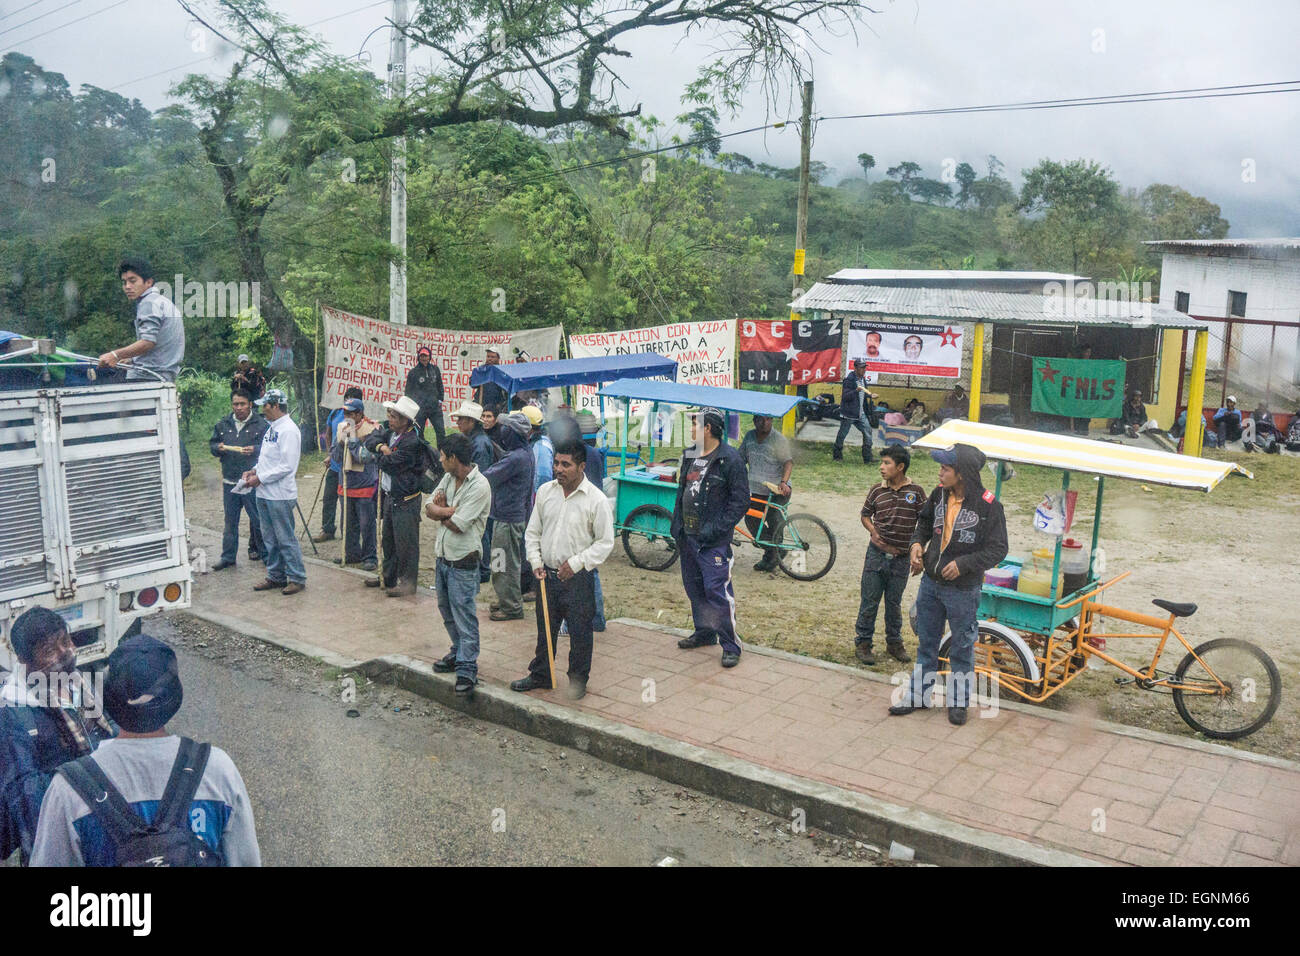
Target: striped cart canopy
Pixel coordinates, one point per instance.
(1082, 455)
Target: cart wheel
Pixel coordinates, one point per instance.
(809, 547)
(1254, 689)
(995, 654)
(646, 539)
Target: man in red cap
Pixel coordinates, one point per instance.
(424, 384)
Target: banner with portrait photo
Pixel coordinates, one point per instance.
(906, 349)
(375, 356)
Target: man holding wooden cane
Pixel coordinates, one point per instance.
(570, 533)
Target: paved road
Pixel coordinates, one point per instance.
(410, 782)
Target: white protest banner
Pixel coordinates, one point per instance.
(705, 352)
(375, 356)
(902, 349)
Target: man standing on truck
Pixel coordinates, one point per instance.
(159, 346)
(41, 727)
(960, 533)
(236, 441)
(275, 479)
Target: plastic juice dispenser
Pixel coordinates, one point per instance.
(1075, 557)
(1036, 575)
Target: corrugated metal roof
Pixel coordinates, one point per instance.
(1226, 244)
(967, 277)
(998, 308)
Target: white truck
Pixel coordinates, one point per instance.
(92, 520)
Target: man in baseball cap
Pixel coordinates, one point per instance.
(275, 479)
(142, 691)
(1227, 421)
(960, 533)
(359, 481)
(490, 395)
(855, 411)
(248, 378)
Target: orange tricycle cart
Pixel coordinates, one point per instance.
(1032, 645)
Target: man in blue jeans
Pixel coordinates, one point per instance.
(855, 411)
(889, 515)
(236, 441)
(460, 506)
(960, 533)
(275, 479)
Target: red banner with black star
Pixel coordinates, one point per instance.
(782, 352)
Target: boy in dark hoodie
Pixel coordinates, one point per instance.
(960, 534)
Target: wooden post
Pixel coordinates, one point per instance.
(1194, 432)
(976, 372)
(800, 228)
(546, 619)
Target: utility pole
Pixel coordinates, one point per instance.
(800, 224)
(397, 174)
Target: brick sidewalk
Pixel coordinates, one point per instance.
(1047, 779)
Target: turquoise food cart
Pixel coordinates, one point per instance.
(647, 490)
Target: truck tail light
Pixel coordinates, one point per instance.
(172, 593)
(148, 597)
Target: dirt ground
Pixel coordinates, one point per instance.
(1231, 552)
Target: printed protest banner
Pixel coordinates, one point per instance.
(375, 356)
(704, 351)
(1078, 388)
(903, 349)
(782, 352)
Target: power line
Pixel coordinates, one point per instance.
(1154, 96)
(64, 26)
(210, 56)
(12, 13)
(41, 17)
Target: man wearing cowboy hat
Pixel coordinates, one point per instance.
(424, 384)
(469, 421)
(490, 395)
(275, 478)
(402, 459)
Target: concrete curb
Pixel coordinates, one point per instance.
(826, 807)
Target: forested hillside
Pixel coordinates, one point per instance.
(505, 229)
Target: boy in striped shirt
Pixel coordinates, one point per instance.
(889, 514)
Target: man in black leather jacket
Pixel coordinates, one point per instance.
(236, 440)
(712, 498)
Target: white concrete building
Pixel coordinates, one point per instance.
(1252, 284)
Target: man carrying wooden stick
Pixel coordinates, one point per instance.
(570, 533)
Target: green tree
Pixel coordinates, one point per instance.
(287, 104)
(868, 163)
(1171, 212)
(905, 172)
(1076, 218)
(931, 190)
(965, 175)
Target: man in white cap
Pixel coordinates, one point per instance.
(275, 479)
(403, 458)
(249, 378)
(490, 395)
(469, 421)
(1227, 421)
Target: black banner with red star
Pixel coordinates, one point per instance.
(790, 353)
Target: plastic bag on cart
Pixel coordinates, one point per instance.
(1055, 513)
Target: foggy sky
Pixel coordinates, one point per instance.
(914, 54)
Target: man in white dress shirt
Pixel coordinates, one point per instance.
(570, 533)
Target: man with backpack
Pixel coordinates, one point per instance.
(404, 460)
(147, 797)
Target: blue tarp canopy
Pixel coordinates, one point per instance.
(679, 393)
(524, 376)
